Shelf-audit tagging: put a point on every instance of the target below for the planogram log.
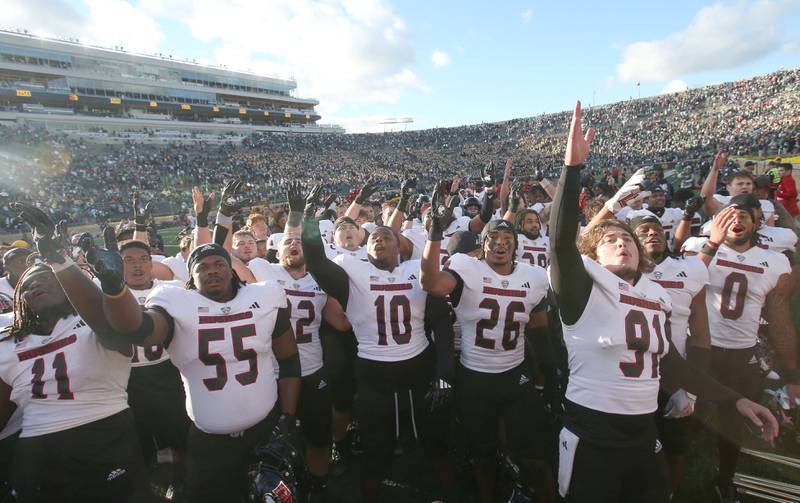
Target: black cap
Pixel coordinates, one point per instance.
(462, 242)
(763, 181)
(749, 163)
(645, 219)
(745, 202)
(206, 250)
(498, 225)
(13, 253)
(656, 188)
(343, 220)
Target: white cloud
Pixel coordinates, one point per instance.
(720, 36)
(107, 23)
(370, 123)
(675, 86)
(440, 58)
(526, 16)
(791, 47)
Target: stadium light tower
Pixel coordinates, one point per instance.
(393, 120)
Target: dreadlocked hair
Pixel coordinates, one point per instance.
(520, 218)
(236, 282)
(26, 321)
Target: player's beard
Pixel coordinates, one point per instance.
(531, 235)
(295, 263)
(741, 240)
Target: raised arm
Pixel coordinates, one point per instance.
(329, 275)
(363, 196)
(407, 189)
(684, 229)
(711, 205)
(432, 279)
(202, 207)
(478, 222)
(630, 191)
(571, 284)
(141, 214)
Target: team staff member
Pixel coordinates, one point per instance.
(614, 323)
(63, 365)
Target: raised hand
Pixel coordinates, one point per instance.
(692, 205)
(487, 176)
(720, 160)
(312, 201)
(629, 191)
(514, 197)
(202, 206)
(366, 191)
(577, 142)
(106, 265)
(141, 211)
(48, 244)
(407, 188)
(297, 202)
(231, 200)
(441, 212)
(329, 201)
(721, 223)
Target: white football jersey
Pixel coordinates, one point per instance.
(177, 265)
(533, 251)
(68, 377)
(669, 220)
(418, 237)
(493, 311)
(332, 251)
(615, 348)
(777, 239)
(738, 288)
(306, 302)
(459, 224)
(143, 357)
(5, 287)
(224, 353)
(326, 230)
(386, 309)
(767, 208)
(682, 278)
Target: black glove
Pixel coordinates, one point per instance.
(366, 191)
(441, 212)
(110, 238)
(487, 210)
(106, 265)
(285, 428)
(230, 200)
(141, 212)
(407, 189)
(439, 394)
(414, 211)
(48, 243)
(692, 205)
(487, 175)
(328, 202)
(202, 215)
(312, 200)
(62, 232)
(514, 198)
(297, 202)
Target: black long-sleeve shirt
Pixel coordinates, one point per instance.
(572, 287)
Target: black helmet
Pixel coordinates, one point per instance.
(273, 477)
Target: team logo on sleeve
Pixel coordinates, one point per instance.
(658, 274)
(740, 258)
(225, 310)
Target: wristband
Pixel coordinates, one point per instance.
(66, 264)
(712, 244)
(224, 220)
(708, 250)
(295, 219)
(202, 219)
(119, 295)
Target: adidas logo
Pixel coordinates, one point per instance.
(322, 384)
(682, 275)
(658, 446)
(79, 325)
(412, 277)
(526, 285)
(254, 306)
(115, 473)
(765, 264)
(523, 379)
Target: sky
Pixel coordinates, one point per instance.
(443, 62)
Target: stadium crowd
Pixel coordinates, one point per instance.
(409, 289)
(83, 182)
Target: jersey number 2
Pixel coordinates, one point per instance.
(207, 335)
(62, 379)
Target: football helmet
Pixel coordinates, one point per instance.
(273, 477)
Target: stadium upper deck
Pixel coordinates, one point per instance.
(72, 85)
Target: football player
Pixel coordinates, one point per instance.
(614, 323)
(499, 304)
(64, 366)
(745, 280)
(387, 308)
(222, 336)
(15, 261)
(739, 183)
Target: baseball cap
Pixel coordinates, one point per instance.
(498, 225)
(763, 181)
(644, 219)
(462, 242)
(342, 221)
(15, 253)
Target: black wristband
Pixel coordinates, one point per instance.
(289, 366)
(138, 336)
(487, 210)
(202, 219)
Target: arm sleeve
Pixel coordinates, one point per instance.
(678, 373)
(330, 276)
(571, 283)
(438, 320)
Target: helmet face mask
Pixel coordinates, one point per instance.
(273, 477)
